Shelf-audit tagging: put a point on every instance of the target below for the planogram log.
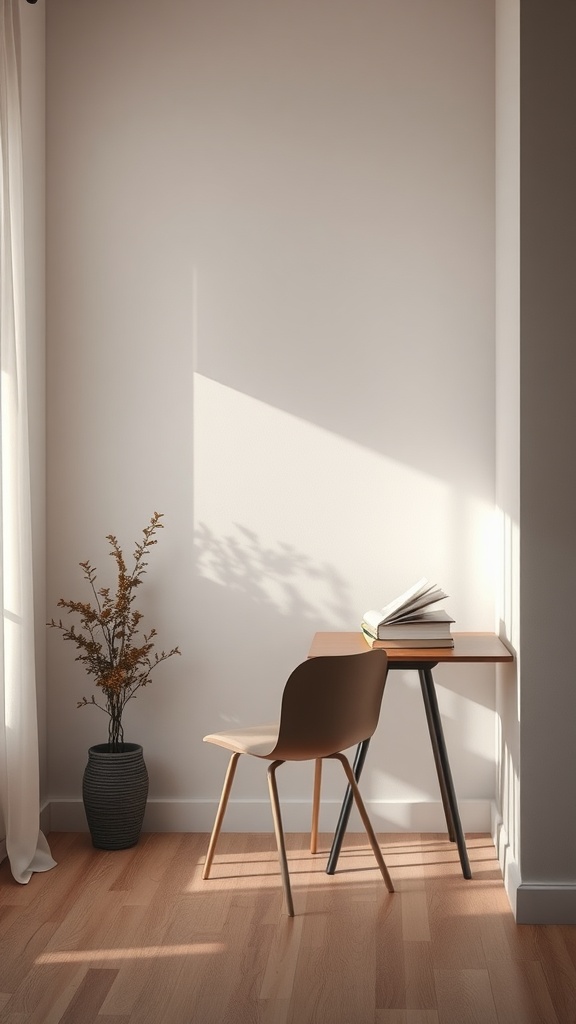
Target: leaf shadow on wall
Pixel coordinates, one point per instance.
(275, 577)
(257, 607)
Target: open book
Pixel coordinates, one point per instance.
(412, 608)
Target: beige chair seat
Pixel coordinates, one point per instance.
(328, 705)
(258, 740)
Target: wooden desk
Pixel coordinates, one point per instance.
(468, 647)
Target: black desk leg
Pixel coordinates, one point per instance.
(447, 791)
(437, 757)
(360, 757)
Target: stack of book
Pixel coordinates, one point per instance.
(409, 620)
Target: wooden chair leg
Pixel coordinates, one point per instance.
(280, 835)
(366, 820)
(220, 813)
(316, 805)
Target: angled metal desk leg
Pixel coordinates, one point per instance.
(360, 757)
(437, 757)
(443, 767)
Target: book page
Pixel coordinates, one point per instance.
(420, 595)
(411, 610)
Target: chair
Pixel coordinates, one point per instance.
(329, 704)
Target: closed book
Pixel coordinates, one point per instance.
(432, 643)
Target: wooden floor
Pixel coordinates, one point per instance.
(136, 937)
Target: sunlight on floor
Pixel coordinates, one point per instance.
(70, 956)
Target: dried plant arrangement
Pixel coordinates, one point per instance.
(108, 640)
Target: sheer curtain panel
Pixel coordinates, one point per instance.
(25, 844)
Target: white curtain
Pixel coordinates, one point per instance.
(25, 845)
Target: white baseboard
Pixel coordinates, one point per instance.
(545, 904)
(531, 902)
(508, 864)
(255, 816)
(45, 822)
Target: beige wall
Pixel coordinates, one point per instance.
(271, 317)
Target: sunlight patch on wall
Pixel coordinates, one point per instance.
(284, 508)
(508, 534)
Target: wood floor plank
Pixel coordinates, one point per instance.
(145, 942)
(420, 991)
(492, 920)
(559, 972)
(415, 920)
(183, 883)
(162, 980)
(456, 944)
(43, 996)
(284, 949)
(89, 996)
(521, 994)
(410, 881)
(104, 1018)
(568, 933)
(465, 996)
(143, 874)
(406, 1017)
(390, 961)
(9, 914)
(12, 893)
(85, 933)
(26, 939)
(233, 977)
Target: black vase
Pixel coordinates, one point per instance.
(115, 790)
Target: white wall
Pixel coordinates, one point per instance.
(536, 489)
(271, 317)
(548, 482)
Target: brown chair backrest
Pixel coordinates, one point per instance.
(329, 704)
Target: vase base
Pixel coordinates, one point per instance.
(104, 845)
(115, 790)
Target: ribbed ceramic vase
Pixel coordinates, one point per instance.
(115, 790)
